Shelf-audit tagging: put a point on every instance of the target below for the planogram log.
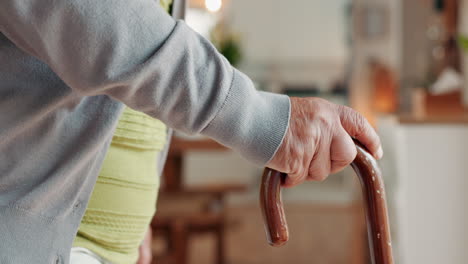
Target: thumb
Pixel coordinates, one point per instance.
(342, 151)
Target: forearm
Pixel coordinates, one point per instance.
(135, 53)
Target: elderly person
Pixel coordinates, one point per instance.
(67, 67)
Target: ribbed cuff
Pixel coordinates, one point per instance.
(253, 123)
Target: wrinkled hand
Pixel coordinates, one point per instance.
(145, 255)
(319, 140)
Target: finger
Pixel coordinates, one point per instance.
(145, 257)
(320, 166)
(296, 178)
(299, 174)
(342, 151)
(359, 128)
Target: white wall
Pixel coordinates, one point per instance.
(301, 41)
(290, 30)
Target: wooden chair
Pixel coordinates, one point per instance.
(188, 212)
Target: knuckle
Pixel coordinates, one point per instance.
(293, 180)
(359, 120)
(347, 156)
(321, 105)
(323, 120)
(296, 168)
(320, 178)
(350, 155)
(297, 176)
(320, 101)
(341, 164)
(318, 174)
(342, 109)
(359, 123)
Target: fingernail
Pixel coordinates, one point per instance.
(379, 153)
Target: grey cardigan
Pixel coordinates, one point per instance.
(66, 69)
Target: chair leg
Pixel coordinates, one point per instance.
(179, 239)
(359, 237)
(220, 258)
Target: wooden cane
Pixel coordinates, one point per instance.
(372, 184)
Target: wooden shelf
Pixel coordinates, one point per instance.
(180, 145)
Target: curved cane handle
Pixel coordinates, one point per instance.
(373, 189)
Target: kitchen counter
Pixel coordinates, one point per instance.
(437, 109)
(434, 118)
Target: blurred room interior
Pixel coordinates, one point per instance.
(400, 63)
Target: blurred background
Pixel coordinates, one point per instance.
(400, 63)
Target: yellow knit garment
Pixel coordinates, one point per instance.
(124, 197)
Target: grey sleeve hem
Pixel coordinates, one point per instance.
(252, 122)
(285, 131)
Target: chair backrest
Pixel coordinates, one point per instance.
(177, 12)
(178, 9)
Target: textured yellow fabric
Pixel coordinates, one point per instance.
(124, 197)
(166, 4)
(139, 130)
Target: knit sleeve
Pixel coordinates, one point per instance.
(134, 52)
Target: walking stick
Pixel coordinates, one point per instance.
(373, 190)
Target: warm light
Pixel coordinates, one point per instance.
(213, 5)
